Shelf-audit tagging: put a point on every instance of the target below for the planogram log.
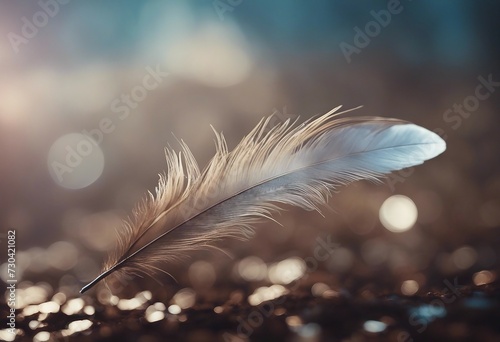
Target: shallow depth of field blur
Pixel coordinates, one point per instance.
(137, 76)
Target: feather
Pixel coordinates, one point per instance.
(288, 164)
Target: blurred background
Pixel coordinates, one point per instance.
(91, 92)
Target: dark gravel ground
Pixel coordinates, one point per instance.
(455, 313)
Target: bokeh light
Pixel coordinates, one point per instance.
(75, 161)
(398, 213)
(483, 277)
(374, 326)
(252, 269)
(185, 298)
(174, 309)
(375, 251)
(286, 271)
(42, 336)
(409, 287)
(155, 312)
(464, 257)
(202, 274)
(65, 248)
(265, 293)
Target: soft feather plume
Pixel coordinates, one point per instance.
(283, 165)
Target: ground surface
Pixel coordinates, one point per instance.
(453, 313)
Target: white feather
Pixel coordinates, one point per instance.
(270, 167)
